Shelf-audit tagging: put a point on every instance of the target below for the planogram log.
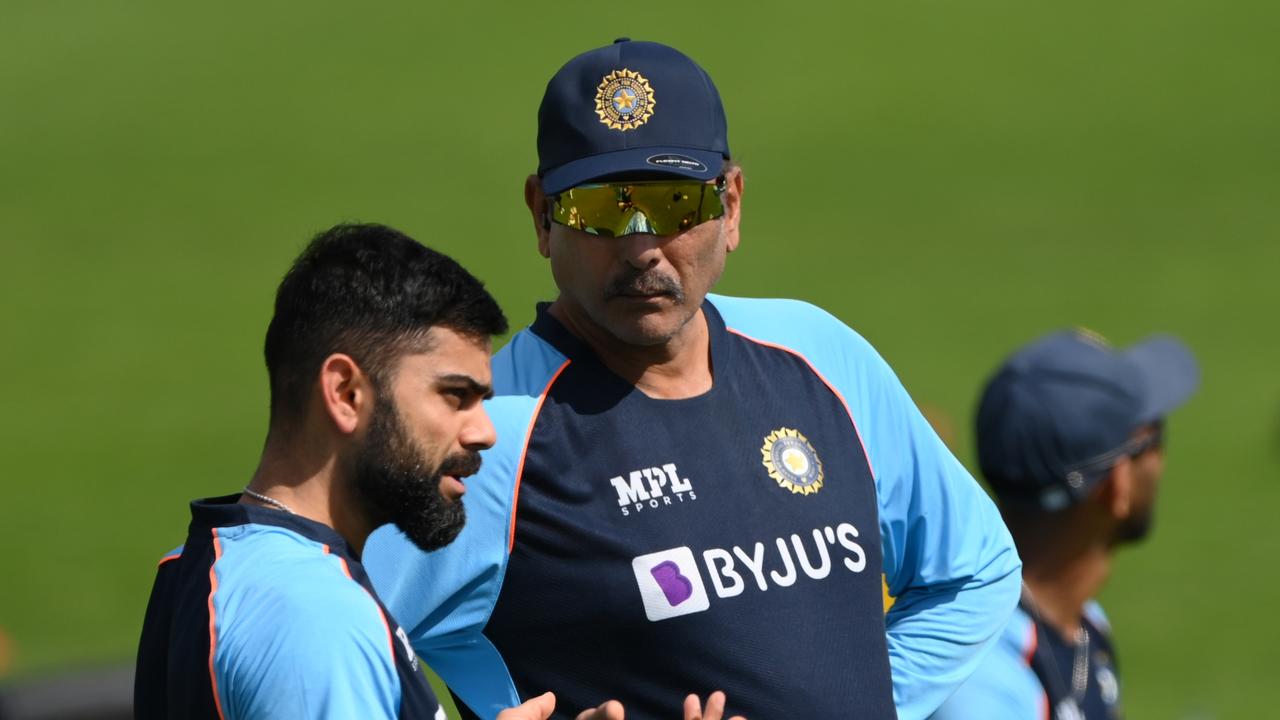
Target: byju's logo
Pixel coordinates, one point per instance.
(670, 584)
(651, 488)
(674, 584)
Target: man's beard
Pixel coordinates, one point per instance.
(1136, 527)
(395, 485)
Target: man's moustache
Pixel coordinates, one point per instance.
(646, 283)
(461, 465)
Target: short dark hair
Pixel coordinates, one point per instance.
(371, 292)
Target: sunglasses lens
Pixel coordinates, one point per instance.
(660, 208)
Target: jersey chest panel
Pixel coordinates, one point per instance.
(728, 541)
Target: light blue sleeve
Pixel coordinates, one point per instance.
(294, 636)
(444, 598)
(948, 558)
(1004, 687)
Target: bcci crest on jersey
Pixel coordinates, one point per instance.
(651, 488)
(792, 462)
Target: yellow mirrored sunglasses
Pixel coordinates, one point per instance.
(658, 207)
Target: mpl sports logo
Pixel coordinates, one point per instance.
(651, 488)
(671, 583)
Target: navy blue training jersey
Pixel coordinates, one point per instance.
(266, 614)
(768, 447)
(623, 546)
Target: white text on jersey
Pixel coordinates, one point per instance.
(671, 582)
(651, 488)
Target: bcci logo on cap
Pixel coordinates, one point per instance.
(792, 462)
(670, 584)
(624, 100)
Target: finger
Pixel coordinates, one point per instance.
(539, 708)
(544, 704)
(611, 710)
(715, 706)
(692, 708)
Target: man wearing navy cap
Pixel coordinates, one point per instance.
(1070, 440)
(692, 491)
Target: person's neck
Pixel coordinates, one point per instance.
(1061, 583)
(676, 369)
(303, 476)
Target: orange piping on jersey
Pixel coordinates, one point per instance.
(524, 452)
(386, 625)
(1033, 641)
(824, 380)
(213, 634)
(167, 558)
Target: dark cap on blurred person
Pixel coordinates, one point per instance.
(1062, 411)
(630, 109)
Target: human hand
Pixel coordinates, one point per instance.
(539, 708)
(611, 710)
(715, 708)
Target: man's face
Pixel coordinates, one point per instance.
(641, 289)
(425, 434)
(1148, 466)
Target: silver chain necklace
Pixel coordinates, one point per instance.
(1080, 665)
(269, 500)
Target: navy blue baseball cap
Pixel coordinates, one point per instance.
(630, 109)
(1062, 411)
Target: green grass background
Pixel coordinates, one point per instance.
(952, 179)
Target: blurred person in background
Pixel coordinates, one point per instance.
(693, 490)
(378, 358)
(1070, 436)
(6, 659)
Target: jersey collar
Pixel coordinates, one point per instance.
(226, 511)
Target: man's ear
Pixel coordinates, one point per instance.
(536, 200)
(732, 200)
(345, 391)
(1116, 489)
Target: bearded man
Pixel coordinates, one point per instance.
(378, 357)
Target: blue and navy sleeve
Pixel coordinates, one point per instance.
(444, 598)
(948, 558)
(1004, 685)
(277, 652)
